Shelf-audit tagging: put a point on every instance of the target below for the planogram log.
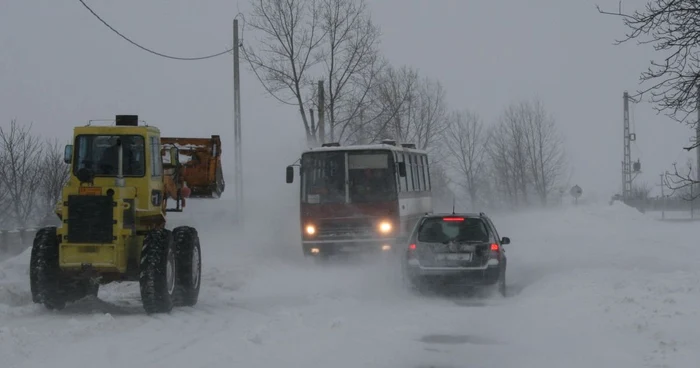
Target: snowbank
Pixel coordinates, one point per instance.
(14, 283)
(608, 271)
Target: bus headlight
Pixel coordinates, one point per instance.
(310, 229)
(385, 227)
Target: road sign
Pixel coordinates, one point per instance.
(576, 191)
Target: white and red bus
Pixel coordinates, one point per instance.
(362, 197)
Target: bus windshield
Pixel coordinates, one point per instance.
(370, 177)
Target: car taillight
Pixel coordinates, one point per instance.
(411, 251)
(495, 251)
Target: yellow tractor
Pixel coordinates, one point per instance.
(113, 211)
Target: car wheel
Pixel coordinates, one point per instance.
(502, 283)
(408, 282)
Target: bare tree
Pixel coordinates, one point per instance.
(673, 28)
(682, 184)
(55, 174)
(466, 143)
(20, 170)
(502, 169)
(641, 191)
(439, 182)
(544, 146)
(351, 58)
(290, 47)
(514, 146)
(381, 117)
(427, 113)
(409, 108)
(526, 153)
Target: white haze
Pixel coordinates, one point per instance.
(590, 288)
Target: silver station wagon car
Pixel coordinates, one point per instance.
(463, 249)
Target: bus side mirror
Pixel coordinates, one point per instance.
(68, 153)
(290, 174)
(402, 169)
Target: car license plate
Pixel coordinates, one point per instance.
(454, 257)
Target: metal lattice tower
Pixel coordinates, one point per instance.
(628, 167)
(626, 159)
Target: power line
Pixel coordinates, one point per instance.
(147, 49)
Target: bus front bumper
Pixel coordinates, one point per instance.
(329, 247)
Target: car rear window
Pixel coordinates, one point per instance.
(457, 229)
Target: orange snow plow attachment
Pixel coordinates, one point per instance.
(199, 166)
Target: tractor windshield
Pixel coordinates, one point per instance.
(99, 153)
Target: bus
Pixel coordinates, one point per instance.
(360, 198)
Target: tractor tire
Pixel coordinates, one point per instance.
(48, 284)
(157, 271)
(189, 266)
(34, 270)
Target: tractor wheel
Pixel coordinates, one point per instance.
(189, 265)
(48, 284)
(158, 269)
(33, 271)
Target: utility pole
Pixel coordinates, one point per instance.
(321, 113)
(692, 201)
(626, 160)
(663, 198)
(697, 137)
(238, 161)
(697, 152)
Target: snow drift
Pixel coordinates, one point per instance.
(591, 286)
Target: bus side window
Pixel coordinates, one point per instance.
(427, 173)
(409, 172)
(421, 178)
(397, 176)
(404, 180)
(423, 171)
(414, 171)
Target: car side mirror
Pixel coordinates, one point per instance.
(290, 174)
(505, 240)
(68, 153)
(402, 169)
(174, 156)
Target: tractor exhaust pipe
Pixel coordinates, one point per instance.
(119, 182)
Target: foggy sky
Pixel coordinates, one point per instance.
(60, 67)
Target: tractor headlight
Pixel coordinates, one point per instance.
(385, 227)
(310, 229)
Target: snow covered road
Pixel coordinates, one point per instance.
(591, 286)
